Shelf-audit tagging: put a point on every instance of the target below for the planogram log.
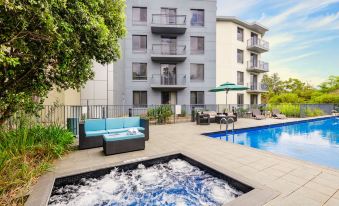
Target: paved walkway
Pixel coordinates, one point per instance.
(298, 182)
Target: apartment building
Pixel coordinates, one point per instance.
(240, 46)
(168, 56)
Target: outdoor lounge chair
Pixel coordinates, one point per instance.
(212, 115)
(226, 116)
(276, 114)
(257, 114)
(202, 119)
(91, 131)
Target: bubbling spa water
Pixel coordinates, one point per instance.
(174, 183)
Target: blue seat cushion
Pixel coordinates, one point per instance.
(95, 124)
(122, 136)
(131, 122)
(111, 131)
(95, 133)
(114, 123)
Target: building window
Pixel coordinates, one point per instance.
(139, 43)
(197, 45)
(240, 98)
(197, 72)
(198, 17)
(140, 98)
(240, 56)
(197, 97)
(139, 71)
(240, 34)
(240, 78)
(139, 15)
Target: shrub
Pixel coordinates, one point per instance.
(314, 112)
(290, 110)
(285, 98)
(26, 153)
(161, 113)
(326, 98)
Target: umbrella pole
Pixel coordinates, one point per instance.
(226, 99)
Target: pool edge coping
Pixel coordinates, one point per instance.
(260, 194)
(244, 129)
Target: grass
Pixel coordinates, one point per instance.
(25, 154)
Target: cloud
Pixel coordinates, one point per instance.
(234, 7)
(280, 39)
(285, 72)
(294, 58)
(324, 22)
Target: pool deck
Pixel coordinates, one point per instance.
(296, 182)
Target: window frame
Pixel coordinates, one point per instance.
(139, 22)
(196, 24)
(139, 63)
(196, 97)
(242, 59)
(197, 52)
(240, 29)
(203, 72)
(241, 75)
(242, 98)
(139, 92)
(139, 50)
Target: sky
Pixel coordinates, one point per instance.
(303, 34)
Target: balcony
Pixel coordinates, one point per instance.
(169, 53)
(257, 88)
(257, 66)
(257, 45)
(168, 82)
(168, 24)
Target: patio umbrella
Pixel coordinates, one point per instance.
(226, 87)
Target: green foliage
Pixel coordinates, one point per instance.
(289, 110)
(26, 153)
(314, 112)
(50, 44)
(284, 98)
(326, 98)
(161, 113)
(295, 91)
(332, 84)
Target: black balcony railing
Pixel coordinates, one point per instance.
(167, 19)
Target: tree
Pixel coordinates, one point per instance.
(274, 85)
(332, 84)
(50, 44)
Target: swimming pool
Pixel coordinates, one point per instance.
(315, 141)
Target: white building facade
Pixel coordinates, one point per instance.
(240, 46)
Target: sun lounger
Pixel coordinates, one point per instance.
(257, 115)
(276, 114)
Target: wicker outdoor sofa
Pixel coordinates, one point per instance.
(91, 131)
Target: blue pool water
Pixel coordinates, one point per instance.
(315, 141)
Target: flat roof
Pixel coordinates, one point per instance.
(252, 26)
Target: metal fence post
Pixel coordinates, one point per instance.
(130, 112)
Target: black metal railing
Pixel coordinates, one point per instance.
(70, 115)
